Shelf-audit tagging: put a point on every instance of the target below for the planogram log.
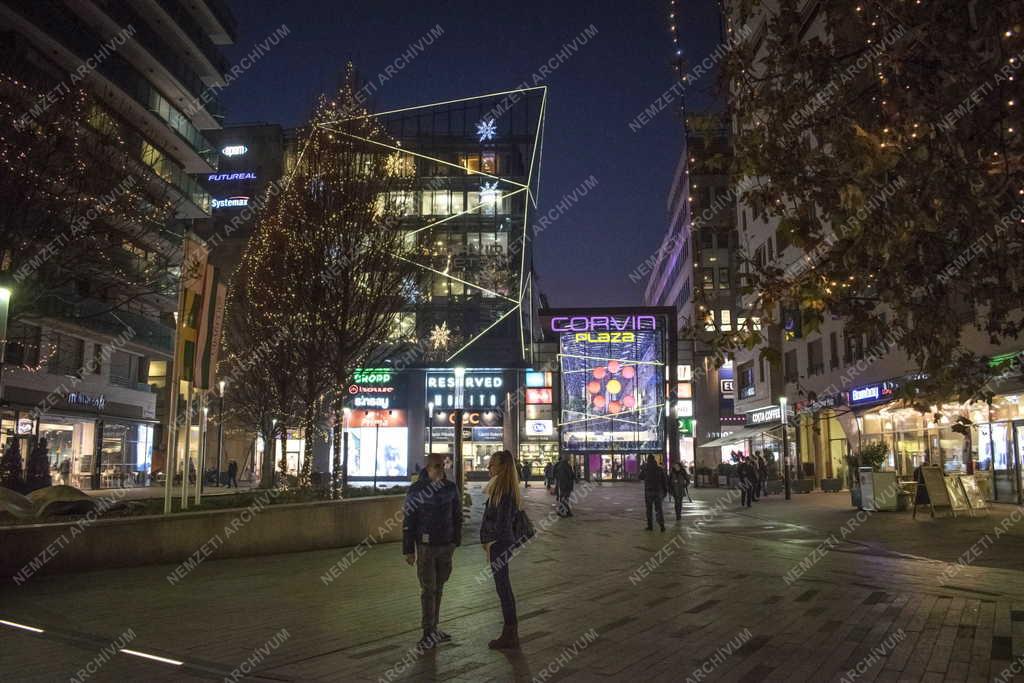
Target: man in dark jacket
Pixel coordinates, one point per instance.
(565, 479)
(527, 472)
(430, 533)
(679, 480)
(748, 481)
(655, 489)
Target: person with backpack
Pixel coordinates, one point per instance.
(504, 503)
(655, 490)
(565, 480)
(431, 531)
(679, 481)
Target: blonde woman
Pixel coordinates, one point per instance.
(504, 500)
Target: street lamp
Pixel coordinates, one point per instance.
(344, 449)
(5, 307)
(460, 387)
(430, 429)
(220, 429)
(783, 419)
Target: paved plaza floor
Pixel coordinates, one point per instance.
(800, 590)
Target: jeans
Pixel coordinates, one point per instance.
(747, 492)
(433, 567)
(679, 503)
(501, 555)
(653, 501)
(563, 505)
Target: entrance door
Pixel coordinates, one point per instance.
(1013, 467)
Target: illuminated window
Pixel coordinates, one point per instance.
(402, 327)
(684, 408)
(157, 374)
(684, 390)
(684, 373)
(708, 278)
(709, 321)
(725, 320)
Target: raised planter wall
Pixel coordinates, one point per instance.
(158, 539)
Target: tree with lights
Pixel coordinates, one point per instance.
(80, 204)
(327, 270)
(888, 150)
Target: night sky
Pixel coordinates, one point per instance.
(583, 259)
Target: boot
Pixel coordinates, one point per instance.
(508, 640)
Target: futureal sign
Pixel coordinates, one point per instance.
(231, 177)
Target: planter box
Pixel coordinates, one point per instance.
(832, 485)
(802, 485)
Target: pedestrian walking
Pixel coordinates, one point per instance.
(762, 470)
(655, 490)
(679, 481)
(233, 474)
(431, 531)
(745, 472)
(547, 476)
(564, 483)
(504, 501)
(65, 471)
(527, 473)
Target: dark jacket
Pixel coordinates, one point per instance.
(564, 477)
(496, 524)
(680, 481)
(655, 480)
(433, 514)
(746, 471)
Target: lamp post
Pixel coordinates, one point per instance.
(201, 456)
(220, 430)
(460, 386)
(5, 307)
(784, 420)
(272, 446)
(344, 450)
(430, 428)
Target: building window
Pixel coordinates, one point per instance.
(69, 355)
(124, 368)
(815, 358)
(97, 359)
(23, 345)
(745, 373)
(853, 347)
(709, 321)
(157, 374)
(725, 320)
(723, 278)
(833, 347)
(708, 278)
(790, 370)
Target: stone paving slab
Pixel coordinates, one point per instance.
(705, 600)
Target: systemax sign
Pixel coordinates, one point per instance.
(872, 393)
(764, 416)
(603, 323)
(230, 203)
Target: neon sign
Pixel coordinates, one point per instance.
(764, 415)
(229, 202)
(234, 150)
(609, 323)
(871, 393)
(228, 177)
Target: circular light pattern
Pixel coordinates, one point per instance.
(599, 373)
(594, 386)
(629, 401)
(599, 401)
(613, 366)
(629, 372)
(613, 386)
(614, 407)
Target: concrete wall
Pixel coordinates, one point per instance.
(260, 529)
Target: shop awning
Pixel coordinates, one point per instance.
(739, 436)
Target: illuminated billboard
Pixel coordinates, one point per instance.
(613, 381)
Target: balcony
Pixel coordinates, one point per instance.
(199, 37)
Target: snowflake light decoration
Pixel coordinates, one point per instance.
(440, 337)
(486, 130)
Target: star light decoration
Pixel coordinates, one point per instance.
(486, 130)
(440, 337)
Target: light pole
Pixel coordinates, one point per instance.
(5, 307)
(430, 428)
(784, 421)
(460, 386)
(272, 447)
(344, 450)
(220, 430)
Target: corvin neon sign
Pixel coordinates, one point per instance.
(603, 323)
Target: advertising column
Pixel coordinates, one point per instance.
(378, 427)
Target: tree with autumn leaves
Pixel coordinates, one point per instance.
(324, 275)
(885, 140)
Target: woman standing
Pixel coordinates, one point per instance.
(504, 500)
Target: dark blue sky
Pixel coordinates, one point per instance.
(583, 259)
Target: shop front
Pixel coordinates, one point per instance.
(482, 394)
(75, 428)
(377, 424)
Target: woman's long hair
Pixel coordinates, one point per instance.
(505, 482)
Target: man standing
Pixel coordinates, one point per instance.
(655, 489)
(680, 482)
(431, 531)
(565, 479)
(527, 472)
(548, 476)
(745, 472)
(762, 473)
(232, 474)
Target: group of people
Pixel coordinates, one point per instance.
(753, 475)
(658, 484)
(432, 529)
